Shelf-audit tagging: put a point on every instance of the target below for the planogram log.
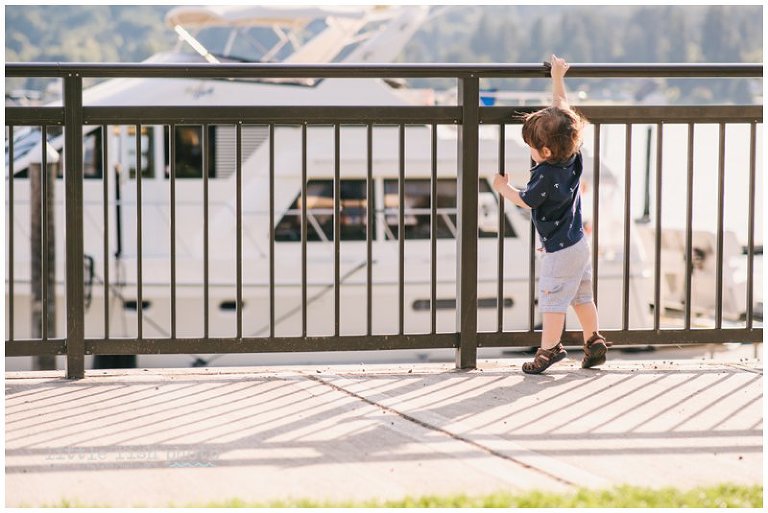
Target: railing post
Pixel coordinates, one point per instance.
(73, 192)
(467, 190)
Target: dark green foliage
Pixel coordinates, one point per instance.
(85, 33)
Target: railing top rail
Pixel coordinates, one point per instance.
(329, 115)
(346, 70)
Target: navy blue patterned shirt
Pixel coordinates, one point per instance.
(553, 195)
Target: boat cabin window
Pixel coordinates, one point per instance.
(370, 29)
(255, 44)
(92, 157)
(222, 148)
(417, 209)
(189, 151)
(147, 152)
(353, 213)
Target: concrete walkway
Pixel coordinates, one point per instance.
(191, 437)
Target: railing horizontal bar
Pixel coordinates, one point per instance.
(36, 347)
(289, 114)
(379, 342)
(643, 337)
(401, 70)
(630, 114)
(322, 114)
(24, 116)
(270, 345)
(395, 115)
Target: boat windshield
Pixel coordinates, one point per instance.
(251, 43)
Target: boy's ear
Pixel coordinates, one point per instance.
(545, 152)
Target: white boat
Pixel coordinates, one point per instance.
(298, 35)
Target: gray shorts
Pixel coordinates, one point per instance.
(566, 278)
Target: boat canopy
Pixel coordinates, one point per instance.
(288, 16)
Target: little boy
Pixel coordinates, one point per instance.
(552, 194)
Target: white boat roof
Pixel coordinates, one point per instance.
(265, 15)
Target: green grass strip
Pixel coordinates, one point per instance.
(725, 495)
(720, 496)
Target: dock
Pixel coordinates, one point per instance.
(180, 437)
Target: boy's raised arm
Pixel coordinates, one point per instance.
(558, 71)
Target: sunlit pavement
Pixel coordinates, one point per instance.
(348, 432)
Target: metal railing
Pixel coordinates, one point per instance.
(468, 114)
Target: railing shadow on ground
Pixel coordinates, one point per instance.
(212, 427)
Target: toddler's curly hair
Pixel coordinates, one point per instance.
(556, 128)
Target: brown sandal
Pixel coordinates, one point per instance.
(544, 358)
(594, 351)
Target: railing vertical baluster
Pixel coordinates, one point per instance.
(239, 224)
(689, 229)
(336, 228)
(657, 247)
(751, 221)
(304, 230)
(11, 171)
(105, 176)
(467, 195)
(720, 216)
(73, 185)
(596, 212)
(44, 225)
(433, 235)
(206, 278)
(500, 258)
(532, 274)
(401, 231)
(369, 231)
(271, 230)
(172, 162)
(627, 220)
(140, 298)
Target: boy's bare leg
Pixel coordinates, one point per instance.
(550, 338)
(587, 314)
(552, 329)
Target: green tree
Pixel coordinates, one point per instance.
(719, 35)
(536, 49)
(677, 35)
